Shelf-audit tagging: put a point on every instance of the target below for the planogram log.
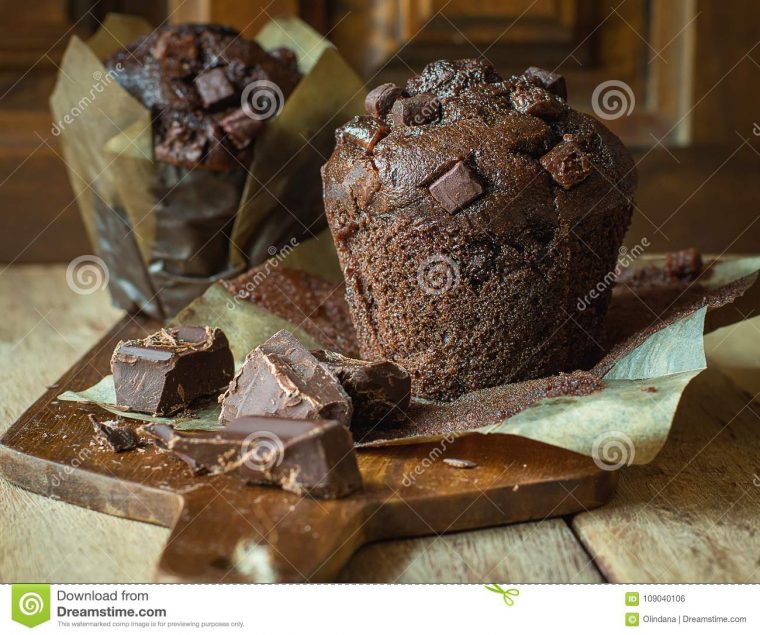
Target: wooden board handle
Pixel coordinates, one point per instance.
(255, 534)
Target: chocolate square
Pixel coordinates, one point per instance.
(240, 128)
(379, 100)
(282, 378)
(456, 188)
(304, 457)
(553, 82)
(415, 111)
(380, 391)
(536, 101)
(567, 163)
(363, 131)
(170, 369)
(214, 87)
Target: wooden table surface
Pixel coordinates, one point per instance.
(693, 515)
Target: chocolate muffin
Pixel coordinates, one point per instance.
(192, 78)
(469, 213)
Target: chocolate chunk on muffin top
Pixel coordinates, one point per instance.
(192, 77)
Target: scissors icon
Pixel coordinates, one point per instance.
(506, 594)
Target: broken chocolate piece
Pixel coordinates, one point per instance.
(169, 369)
(379, 100)
(240, 128)
(119, 438)
(536, 101)
(462, 464)
(379, 391)
(282, 378)
(456, 188)
(567, 164)
(364, 131)
(214, 87)
(553, 82)
(303, 457)
(415, 111)
(683, 265)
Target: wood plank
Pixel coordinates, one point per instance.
(544, 551)
(692, 514)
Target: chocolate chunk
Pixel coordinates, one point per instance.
(379, 100)
(683, 265)
(380, 391)
(364, 131)
(177, 44)
(282, 378)
(170, 369)
(553, 82)
(120, 438)
(456, 188)
(567, 163)
(536, 101)
(415, 111)
(214, 87)
(304, 457)
(240, 128)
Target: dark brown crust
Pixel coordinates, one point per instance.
(520, 255)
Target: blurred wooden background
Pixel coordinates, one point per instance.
(692, 65)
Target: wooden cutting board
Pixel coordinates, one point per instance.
(224, 530)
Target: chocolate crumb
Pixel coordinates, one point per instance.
(685, 264)
(120, 438)
(462, 464)
(648, 389)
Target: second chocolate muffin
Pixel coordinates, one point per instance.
(469, 214)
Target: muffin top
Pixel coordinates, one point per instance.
(458, 139)
(192, 78)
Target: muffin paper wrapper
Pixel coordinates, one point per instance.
(625, 422)
(164, 245)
